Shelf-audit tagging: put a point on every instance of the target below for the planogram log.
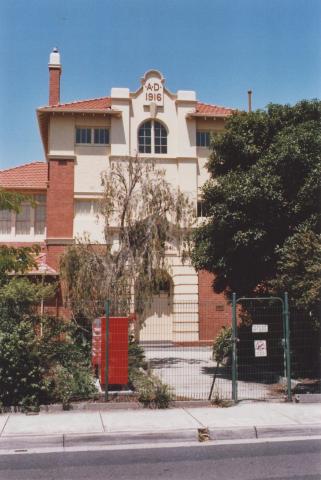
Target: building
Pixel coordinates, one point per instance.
(80, 139)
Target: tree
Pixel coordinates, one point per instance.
(34, 367)
(11, 200)
(299, 271)
(142, 214)
(265, 188)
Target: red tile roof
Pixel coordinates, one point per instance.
(31, 176)
(41, 268)
(203, 109)
(104, 103)
(92, 104)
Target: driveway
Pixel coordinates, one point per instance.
(189, 371)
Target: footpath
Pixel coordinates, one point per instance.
(88, 428)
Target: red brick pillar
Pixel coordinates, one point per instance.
(54, 77)
(54, 85)
(214, 310)
(60, 208)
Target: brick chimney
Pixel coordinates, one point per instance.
(54, 77)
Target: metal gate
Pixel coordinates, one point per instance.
(260, 348)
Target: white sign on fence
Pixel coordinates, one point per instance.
(260, 348)
(260, 328)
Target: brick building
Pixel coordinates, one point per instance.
(80, 139)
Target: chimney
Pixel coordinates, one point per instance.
(54, 77)
(249, 96)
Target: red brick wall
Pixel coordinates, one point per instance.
(60, 208)
(55, 307)
(54, 86)
(54, 253)
(214, 310)
(60, 199)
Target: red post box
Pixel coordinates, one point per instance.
(117, 349)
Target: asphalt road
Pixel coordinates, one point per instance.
(295, 460)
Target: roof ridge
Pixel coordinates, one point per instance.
(75, 101)
(215, 105)
(87, 100)
(23, 165)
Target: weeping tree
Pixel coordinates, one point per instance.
(12, 200)
(143, 216)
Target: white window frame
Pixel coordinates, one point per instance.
(40, 198)
(152, 144)
(8, 221)
(206, 133)
(92, 211)
(41, 203)
(92, 135)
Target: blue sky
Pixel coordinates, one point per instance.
(220, 48)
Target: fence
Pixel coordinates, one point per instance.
(305, 352)
(261, 362)
(177, 338)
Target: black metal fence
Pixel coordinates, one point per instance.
(177, 338)
(305, 352)
(261, 354)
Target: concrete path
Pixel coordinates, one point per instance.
(189, 371)
(245, 420)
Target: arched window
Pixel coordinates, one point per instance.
(152, 137)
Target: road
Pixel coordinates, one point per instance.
(294, 460)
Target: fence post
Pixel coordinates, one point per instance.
(287, 345)
(234, 349)
(107, 312)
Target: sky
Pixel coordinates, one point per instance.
(219, 48)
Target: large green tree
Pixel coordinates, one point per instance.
(263, 201)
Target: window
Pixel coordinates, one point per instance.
(87, 207)
(202, 139)
(30, 220)
(40, 214)
(83, 207)
(92, 136)
(202, 211)
(152, 137)
(5, 221)
(23, 220)
(101, 136)
(83, 135)
(145, 138)
(160, 138)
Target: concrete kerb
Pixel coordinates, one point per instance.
(30, 442)
(261, 432)
(145, 426)
(130, 438)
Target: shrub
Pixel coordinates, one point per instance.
(64, 386)
(21, 372)
(83, 382)
(151, 391)
(222, 346)
(35, 370)
(136, 355)
(163, 395)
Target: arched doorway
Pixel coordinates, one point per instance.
(158, 317)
